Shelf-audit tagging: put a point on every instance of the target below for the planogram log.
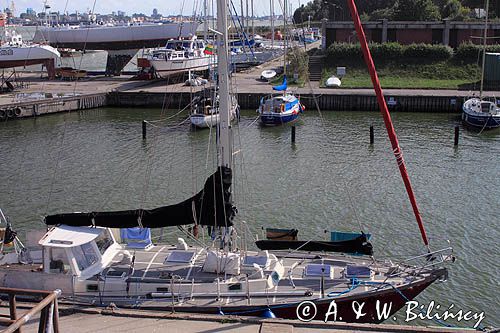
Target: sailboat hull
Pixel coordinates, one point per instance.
(394, 300)
(205, 121)
(485, 121)
(481, 114)
(16, 56)
(165, 68)
(279, 110)
(275, 119)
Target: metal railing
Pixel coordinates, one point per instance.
(47, 307)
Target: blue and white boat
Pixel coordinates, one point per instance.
(283, 108)
(478, 112)
(481, 113)
(280, 109)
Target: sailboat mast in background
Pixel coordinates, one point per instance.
(485, 39)
(225, 154)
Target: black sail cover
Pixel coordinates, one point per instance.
(212, 206)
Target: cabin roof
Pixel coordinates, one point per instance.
(65, 236)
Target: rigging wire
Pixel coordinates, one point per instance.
(84, 45)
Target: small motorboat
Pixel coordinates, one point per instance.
(345, 242)
(333, 82)
(268, 74)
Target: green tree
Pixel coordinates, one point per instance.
(416, 10)
(451, 9)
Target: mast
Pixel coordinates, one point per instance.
(272, 24)
(387, 118)
(247, 25)
(242, 16)
(205, 25)
(253, 23)
(485, 38)
(284, 36)
(225, 151)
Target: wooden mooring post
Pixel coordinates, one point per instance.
(372, 136)
(457, 134)
(293, 134)
(144, 123)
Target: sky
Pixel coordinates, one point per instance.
(165, 7)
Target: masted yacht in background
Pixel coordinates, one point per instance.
(477, 111)
(80, 255)
(286, 107)
(182, 55)
(206, 114)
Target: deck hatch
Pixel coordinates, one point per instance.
(185, 257)
(318, 270)
(354, 271)
(259, 260)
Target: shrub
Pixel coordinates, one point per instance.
(345, 52)
(299, 63)
(469, 52)
(428, 52)
(351, 53)
(386, 51)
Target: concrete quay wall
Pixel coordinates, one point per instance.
(326, 102)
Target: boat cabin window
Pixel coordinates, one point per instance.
(159, 55)
(85, 256)
(485, 107)
(178, 45)
(104, 241)
(58, 261)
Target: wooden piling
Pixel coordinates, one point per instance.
(293, 134)
(144, 129)
(457, 132)
(372, 136)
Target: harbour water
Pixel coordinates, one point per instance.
(330, 179)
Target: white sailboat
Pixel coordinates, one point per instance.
(205, 112)
(14, 52)
(477, 111)
(83, 258)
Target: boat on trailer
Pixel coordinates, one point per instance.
(14, 52)
(81, 256)
(180, 56)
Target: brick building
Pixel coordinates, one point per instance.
(442, 32)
